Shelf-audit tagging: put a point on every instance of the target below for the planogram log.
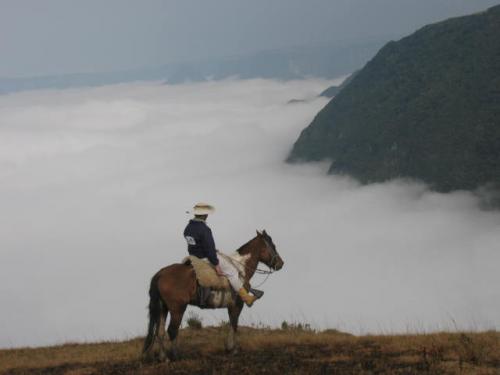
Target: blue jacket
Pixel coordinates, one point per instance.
(200, 241)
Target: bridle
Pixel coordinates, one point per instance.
(274, 258)
(272, 263)
(274, 255)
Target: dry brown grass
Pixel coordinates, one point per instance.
(69, 353)
(290, 351)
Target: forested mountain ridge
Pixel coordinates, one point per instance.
(425, 107)
(332, 91)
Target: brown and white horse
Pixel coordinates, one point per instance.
(173, 288)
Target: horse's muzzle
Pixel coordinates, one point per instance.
(279, 264)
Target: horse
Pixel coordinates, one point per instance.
(175, 287)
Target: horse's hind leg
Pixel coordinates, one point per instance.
(173, 328)
(161, 333)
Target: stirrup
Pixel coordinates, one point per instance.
(202, 296)
(257, 293)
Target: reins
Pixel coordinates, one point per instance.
(259, 270)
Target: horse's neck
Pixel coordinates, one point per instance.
(250, 249)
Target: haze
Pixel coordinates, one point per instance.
(94, 185)
(60, 36)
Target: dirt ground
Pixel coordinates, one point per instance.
(265, 351)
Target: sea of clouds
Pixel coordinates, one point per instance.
(94, 185)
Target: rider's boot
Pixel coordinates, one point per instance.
(256, 292)
(247, 298)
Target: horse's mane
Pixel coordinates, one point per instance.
(242, 247)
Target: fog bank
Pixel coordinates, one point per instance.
(94, 184)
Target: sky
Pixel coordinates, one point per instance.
(94, 185)
(68, 36)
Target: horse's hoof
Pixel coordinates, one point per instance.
(174, 355)
(234, 351)
(146, 358)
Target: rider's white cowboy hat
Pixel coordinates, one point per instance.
(202, 209)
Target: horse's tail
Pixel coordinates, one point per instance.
(155, 306)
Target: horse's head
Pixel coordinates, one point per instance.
(268, 253)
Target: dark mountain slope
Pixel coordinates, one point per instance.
(426, 107)
(332, 91)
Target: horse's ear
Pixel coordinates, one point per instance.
(264, 231)
(258, 233)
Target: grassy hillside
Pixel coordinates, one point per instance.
(426, 107)
(290, 351)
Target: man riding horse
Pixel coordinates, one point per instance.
(201, 244)
(176, 286)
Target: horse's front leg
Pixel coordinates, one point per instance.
(234, 314)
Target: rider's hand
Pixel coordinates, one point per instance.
(219, 271)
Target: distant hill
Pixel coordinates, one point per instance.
(425, 107)
(327, 61)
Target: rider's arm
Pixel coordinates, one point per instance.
(210, 247)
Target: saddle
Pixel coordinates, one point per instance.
(214, 290)
(206, 275)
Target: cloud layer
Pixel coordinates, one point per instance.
(94, 184)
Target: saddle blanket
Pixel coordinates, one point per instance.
(206, 274)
